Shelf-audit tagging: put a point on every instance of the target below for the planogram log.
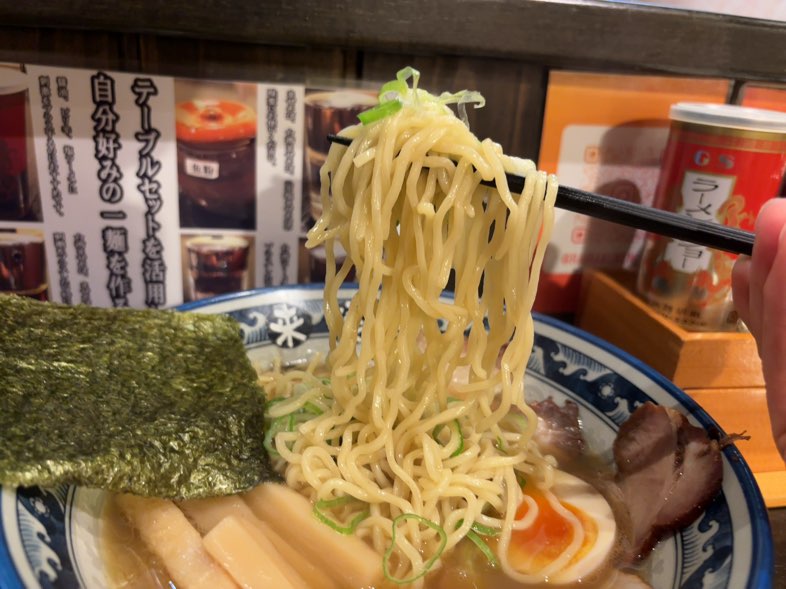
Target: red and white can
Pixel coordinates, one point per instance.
(722, 163)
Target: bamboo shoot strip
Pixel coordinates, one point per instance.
(169, 535)
(311, 573)
(207, 513)
(242, 555)
(350, 561)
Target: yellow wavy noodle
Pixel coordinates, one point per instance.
(405, 203)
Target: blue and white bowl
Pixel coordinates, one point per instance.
(49, 538)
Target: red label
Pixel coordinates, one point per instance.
(732, 174)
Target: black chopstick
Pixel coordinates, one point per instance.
(666, 223)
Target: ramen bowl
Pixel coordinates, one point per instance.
(51, 537)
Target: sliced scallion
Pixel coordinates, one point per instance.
(327, 504)
(521, 479)
(275, 400)
(484, 530)
(479, 528)
(516, 421)
(443, 540)
(457, 428)
(392, 90)
(312, 408)
(380, 111)
(285, 423)
(483, 547)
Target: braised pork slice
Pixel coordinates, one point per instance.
(668, 472)
(559, 429)
(700, 477)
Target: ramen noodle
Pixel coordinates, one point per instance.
(417, 432)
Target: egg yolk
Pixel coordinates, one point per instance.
(549, 536)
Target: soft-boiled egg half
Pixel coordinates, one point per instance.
(565, 535)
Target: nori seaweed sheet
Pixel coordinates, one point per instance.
(155, 403)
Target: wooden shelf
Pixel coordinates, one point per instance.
(692, 360)
(583, 34)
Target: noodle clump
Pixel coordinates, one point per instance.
(418, 430)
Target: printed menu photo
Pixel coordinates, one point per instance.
(122, 189)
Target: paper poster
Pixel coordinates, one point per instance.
(104, 146)
(121, 189)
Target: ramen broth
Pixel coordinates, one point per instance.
(127, 561)
(130, 565)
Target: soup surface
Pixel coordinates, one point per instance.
(130, 564)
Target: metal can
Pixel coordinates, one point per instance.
(721, 164)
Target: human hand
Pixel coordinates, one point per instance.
(759, 290)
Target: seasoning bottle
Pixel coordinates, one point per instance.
(721, 164)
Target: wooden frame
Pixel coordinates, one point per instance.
(576, 34)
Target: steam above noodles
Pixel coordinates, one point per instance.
(417, 433)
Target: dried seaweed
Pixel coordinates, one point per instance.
(155, 403)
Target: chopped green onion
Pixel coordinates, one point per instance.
(276, 400)
(483, 547)
(460, 448)
(457, 427)
(325, 381)
(521, 479)
(285, 423)
(479, 528)
(443, 540)
(392, 90)
(380, 111)
(514, 422)
(300, 416)
(484, 530)
(395, 93)
(404, 74)
(339, 502)
(312, 408)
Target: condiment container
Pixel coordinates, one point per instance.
(216, 162)
(22, 266)
(721, 164)
(217, 265)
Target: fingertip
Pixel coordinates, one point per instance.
(773, 206)
(741, 271)
(772, 214)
